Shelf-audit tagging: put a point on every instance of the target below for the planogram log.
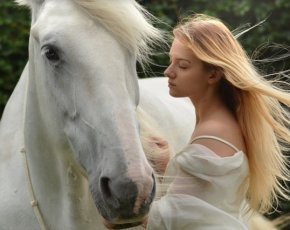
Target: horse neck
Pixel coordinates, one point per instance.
(11, 126)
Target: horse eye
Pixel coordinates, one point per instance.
(51, 53)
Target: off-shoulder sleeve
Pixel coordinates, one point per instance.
(197, 159)
(184, 212)
(204, 194)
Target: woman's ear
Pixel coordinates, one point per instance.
(215, 76)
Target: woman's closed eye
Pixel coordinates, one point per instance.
(183, 64)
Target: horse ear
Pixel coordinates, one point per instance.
(22, 2)
(29, 3)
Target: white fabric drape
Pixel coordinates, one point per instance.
(206, 192)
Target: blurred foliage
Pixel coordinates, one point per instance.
(235, 14)
(14, 27)
(15, 23)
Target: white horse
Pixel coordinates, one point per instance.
(69, 137)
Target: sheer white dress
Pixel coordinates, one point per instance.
(205, 193)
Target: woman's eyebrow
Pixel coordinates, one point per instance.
(179, 59)
(182, 59)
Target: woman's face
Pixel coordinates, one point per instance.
(187, 76)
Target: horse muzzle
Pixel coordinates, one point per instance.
(132, 224)
(120, 203)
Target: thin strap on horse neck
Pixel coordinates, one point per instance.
(215, 138)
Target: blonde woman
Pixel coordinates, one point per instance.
(234, 162)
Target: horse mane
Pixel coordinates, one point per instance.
(127, 20)
(157, 149)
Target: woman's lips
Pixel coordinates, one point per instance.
(170, 84)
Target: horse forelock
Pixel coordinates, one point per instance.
(129, 22)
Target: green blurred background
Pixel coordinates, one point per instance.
(15, 24)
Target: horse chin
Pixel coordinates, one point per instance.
(110, 225)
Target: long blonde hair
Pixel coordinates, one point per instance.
(254, 101)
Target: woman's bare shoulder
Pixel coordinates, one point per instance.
(226, 129)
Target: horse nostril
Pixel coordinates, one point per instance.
(153, 193)
(105, 187)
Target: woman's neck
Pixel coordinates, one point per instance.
(207, 106)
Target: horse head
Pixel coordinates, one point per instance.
(82, 95)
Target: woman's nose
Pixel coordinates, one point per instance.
(169, 72)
